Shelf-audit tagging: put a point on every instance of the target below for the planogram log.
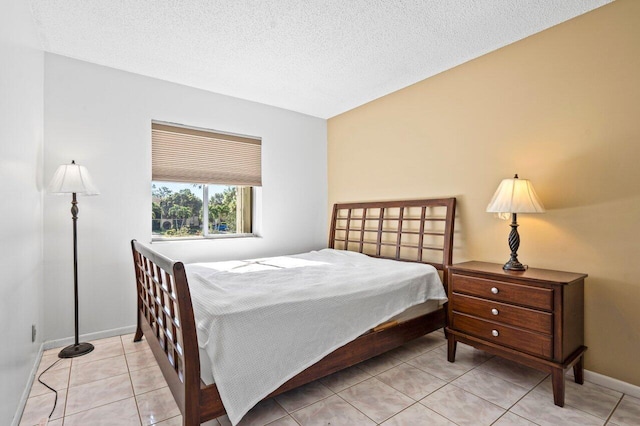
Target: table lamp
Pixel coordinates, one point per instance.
(515, 196)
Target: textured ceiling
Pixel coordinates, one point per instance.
(316, 57)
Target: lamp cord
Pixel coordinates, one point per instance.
(55, 401)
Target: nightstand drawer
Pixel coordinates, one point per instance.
(503, 313)
(534, 297)
(516, 338)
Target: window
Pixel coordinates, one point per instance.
(203, 182)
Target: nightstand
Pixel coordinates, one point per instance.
(533, 317)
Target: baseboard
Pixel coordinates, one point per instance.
(611, 383)
(27, 390)
(51, 344)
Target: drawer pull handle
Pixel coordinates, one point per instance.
(494, 311)
(494, 290)
(495, 333)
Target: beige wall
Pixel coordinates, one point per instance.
(561, 108)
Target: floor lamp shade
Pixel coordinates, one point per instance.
(74, 179)
(515, 196)
(70, 178)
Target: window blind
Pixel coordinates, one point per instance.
(182, 154)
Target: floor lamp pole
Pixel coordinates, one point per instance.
(77, 349)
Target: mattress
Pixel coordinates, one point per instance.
(206, 375)
(248, 312)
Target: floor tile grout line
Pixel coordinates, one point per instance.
(404, 409)
(484, 399)
(614, 410)
(508, 380)
(149, 391)
(356, 408)
(416, 400)
(397, 390)
(520, 415)
(422, 405)
(285, 410)
(273, 421)
(514, 414)
(524, 396)
(66, 397)
(506, 410)
(450, 382)
(446, 382)
(86, 363)
(140, 346)
(441, 415)
(170, 418)
(35, 381)
(97, 406)
(98, 380)
(99, 359)
(349, 387)
(478, 396)
(300, 408)
(578, 408)
(133, 389)
(533, 389)
(56, 394)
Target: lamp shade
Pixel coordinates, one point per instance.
(515, 196)
(71, 178)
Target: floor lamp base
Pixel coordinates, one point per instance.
(73, 351)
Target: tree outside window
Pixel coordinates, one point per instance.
(177, 209)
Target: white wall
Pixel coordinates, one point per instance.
(101, 118)
(21, 96)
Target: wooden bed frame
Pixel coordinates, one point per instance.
(407, 230)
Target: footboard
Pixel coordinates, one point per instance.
(165, 317)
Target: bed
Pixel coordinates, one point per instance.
(418, 231)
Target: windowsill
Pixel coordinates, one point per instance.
(204, 238)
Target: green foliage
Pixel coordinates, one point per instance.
(156, 211)
(160, 192)
(180, 212)
(184, 198)
(184, 210)
(178, 206)
(222, 209)
(182, 232)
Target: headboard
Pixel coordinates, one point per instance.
(408, 230)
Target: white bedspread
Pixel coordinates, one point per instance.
(263, 321)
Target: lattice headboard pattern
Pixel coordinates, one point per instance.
(409, 230)
(158, 303)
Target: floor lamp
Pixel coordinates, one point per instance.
(74, 179)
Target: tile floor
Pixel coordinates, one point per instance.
(120, 384)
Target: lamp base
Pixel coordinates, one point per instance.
(514, 265)
(73, 351)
